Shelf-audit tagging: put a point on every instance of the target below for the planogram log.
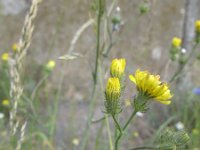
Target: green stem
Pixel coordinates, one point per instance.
(120, 132)
(98, 40)
(55, 109)
(38, 86)
(93, 97)
(109, 133)
(129, 120)
(98, 135)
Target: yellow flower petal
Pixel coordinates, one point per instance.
(132, 78)
(151, 86)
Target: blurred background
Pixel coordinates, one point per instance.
(143, 39)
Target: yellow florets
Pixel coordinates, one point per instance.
(197, 25)
(112, 95)
(151, 87)
(51, 64)
(117, 68)
(5, 102)
(176, 42)
(5, 56)
(113, 89)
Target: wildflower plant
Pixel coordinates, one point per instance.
(148, 87)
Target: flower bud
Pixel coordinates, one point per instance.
(112, 95)
(181, 138)
(5, 102)
(15, 47)
(117, 68)
(175, 48)
(197, 26)
(51, 64)
(5, 56)
(197, 30)
(176, 42)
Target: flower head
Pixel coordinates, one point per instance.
(151, 87)
(117, 68)
(5, 56)
(197, 26)
(51, 64)
(5, 102)
(176, 42)
(112, 95)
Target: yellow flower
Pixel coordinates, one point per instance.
(5, 56)
(15, 47)
(117, 67)
(176, 42)
(112, 95)
(5, 102)
(151, 87)
(51, 64)
(197, 25)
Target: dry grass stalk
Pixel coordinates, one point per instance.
(15, 69)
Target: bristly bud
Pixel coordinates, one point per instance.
(197, 30)
(167, 147)
(172, 140)
(117, 68)
(112, 95)
(181, 138)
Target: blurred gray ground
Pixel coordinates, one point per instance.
(144, 42)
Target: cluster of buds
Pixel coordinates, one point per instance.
(113, 87)
(175, 48)
(197, 30)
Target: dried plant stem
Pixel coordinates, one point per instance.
(15, 69)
